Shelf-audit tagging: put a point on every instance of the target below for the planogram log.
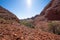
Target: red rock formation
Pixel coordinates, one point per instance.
(50, 12)
(5, 14)
(53, 12)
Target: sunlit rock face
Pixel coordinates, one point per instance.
(5, 14)
(53, 12)
(50, 12)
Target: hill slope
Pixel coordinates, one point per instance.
(5, 14)
(50, 12)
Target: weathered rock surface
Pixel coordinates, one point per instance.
(53, 12)
(5, 14)
(50, 12)
(19, 32)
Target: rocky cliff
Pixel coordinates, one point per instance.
(6, 15)
(51, 11)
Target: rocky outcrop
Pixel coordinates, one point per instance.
(5, 14)
(50, 12)
(53, 12)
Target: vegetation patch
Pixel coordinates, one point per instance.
(54, 27)
(26, 23)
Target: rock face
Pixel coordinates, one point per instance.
(5, 14)
(51, 11)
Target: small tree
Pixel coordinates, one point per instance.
(28, 24)
(54, 27)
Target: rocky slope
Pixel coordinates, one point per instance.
(19, 32)
(53, 12)
(5, 14)
(50, 13)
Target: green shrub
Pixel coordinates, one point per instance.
(54, 27)
(28, 24)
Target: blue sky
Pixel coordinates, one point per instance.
(24, 8)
